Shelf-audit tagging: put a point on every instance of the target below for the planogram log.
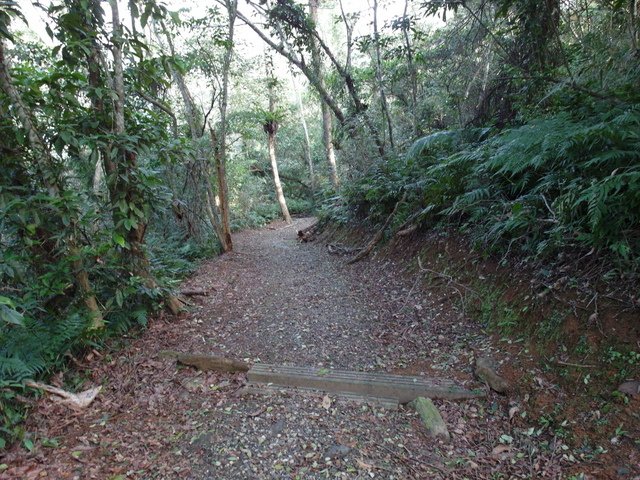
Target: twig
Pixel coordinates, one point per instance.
(446, 277)
(569, 364)
(416, 460)
(406, 300)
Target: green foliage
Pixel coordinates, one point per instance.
(557, 183)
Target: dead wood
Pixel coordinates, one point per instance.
(193, 292)
(308, 234)
(77, 401)
(207, 362)
(485, 372)
(379, 234)
(407, 231)
(339, 249)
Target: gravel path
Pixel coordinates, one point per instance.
(279, 301)
(284, 302)
(276, 300)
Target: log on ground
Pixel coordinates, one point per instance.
(207, 362)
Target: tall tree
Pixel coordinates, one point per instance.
(305, 130)
(218, 217)
(405, 26)
(221, 150)
(270, 125)
(327, 120)
(378, 68)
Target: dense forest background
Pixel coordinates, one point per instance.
(134, 138)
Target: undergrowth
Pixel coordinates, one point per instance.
(558, 187)
(43, 324)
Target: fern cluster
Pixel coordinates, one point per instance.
(564, 181)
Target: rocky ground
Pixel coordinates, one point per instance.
(278, 301)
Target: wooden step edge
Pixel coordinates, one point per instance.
(403, 393)
(260, 369)
(264, 389)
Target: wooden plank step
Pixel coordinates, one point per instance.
(270, 389)
(402, 388)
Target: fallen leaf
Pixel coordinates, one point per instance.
(364, 465)
(326, 402)
(500, 449)
(513, 411)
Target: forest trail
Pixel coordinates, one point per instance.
(279, 301)
(282, 302)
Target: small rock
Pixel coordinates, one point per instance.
(277, 427)
(623, 471)
(630, 388)
(337, 451)
(431, 417)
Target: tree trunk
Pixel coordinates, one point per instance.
(271, 128)
(307, 141)
(221, 149)
(413, 78)
(327, 127)
(52, 184)
(276, 178)
(383, 95)
(223, 193)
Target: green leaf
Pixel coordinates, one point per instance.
(119, 298)
(50, 442)
(8, 313)
(175, 16)
(28, 444)
(119, 239)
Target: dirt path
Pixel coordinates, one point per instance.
(275, 300)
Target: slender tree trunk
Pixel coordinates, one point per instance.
(307, 141)
(52, 183)
(271, 129)
(223, 192)
(413, 78)
(383, 95)
(221, 148)
(349, 28)
(276, 177)
(327, 121)
(128, 163)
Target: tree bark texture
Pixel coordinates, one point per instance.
(327, 121)
(383, 96)
(271, 129)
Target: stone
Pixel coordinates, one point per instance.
(337, 451)
(431, 417)
(630, 388)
